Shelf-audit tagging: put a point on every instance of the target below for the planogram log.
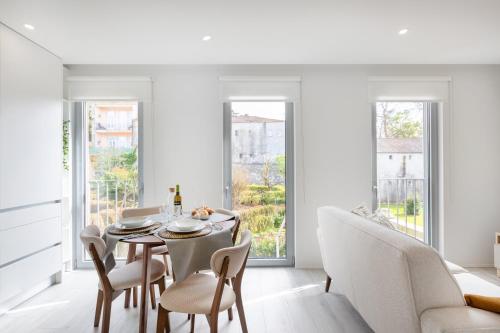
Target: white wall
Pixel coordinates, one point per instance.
(333, 144)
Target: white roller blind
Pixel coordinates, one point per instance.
(106, 88)
(285, 88)
(409, 88)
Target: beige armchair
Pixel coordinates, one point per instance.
(208, 295)
(112, 284)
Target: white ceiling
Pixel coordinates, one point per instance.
(261, 31)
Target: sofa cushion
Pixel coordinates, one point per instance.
(459, 319)
(377, 217)
(380, 218)
(361, 210)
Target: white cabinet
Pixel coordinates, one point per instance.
(30, 167)
(28, 230)
(26, 273)
(30, 122)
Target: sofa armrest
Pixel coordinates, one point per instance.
(461, 319)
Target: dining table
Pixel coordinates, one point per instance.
(148, 242)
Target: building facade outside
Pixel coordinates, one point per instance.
(400, 168)
(256, 141)
(115, 126)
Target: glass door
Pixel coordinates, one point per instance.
(405, 162)
(258, 172)
(109, 173)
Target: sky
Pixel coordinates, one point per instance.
(272, 110)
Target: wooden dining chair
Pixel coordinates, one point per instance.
(234, 236)
(237, 221)
(235, 229)
(113, 283)
(157, 250)
(208, 295)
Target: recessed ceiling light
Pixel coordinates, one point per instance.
(29, 26)
(206, 38)
(403, 31)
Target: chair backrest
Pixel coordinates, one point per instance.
(237, 220)
(96, 247)
(133, 212)
(92, 235)
(237, 256)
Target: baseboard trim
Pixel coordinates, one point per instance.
(479, 266)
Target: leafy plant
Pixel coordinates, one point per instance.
(280, 162)
(65, 146)
(412, 206)
(395, 123)
(401, 126)
(279, 217)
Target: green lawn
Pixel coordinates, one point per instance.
(394, 212)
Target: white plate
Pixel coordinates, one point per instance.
(185, 225)
(203, 218)
(135, 222)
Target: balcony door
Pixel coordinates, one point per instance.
(108, 176)
(405, 166)
(258, 176)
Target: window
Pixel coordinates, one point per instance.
(103, 164)
(260, 186)
(110, 120)
(403, 189)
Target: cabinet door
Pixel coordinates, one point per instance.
(30, 122)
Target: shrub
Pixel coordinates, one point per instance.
(261, 223)
(280, 188)
(262, 195)
(258, 219)
(278, 217)
(240, 183)
(250, 198)
(412, 206)
(257, 187)
(264, 245)
(273, 197)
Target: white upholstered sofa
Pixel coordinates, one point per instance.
(395, 282)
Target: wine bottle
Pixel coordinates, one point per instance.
(177, 201)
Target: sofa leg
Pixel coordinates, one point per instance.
(328, 282)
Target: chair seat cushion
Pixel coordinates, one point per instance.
(155, 250)
(195, 295)
(130, 275)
